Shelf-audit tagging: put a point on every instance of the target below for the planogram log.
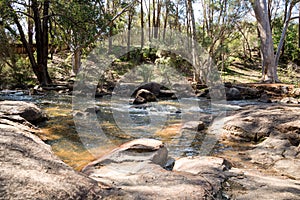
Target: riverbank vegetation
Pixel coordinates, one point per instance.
(43, 42)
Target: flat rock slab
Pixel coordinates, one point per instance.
(136, 151)
(249, 184)
(267, 140)
(257, 122)
(194, 125)
(289, 167)
(201, 165)
(28, 111)
(131, 167)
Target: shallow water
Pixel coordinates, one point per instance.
(119, 122)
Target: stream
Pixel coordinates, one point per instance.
(121, 122)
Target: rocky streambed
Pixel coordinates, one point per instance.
(257, 156)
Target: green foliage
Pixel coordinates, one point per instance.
(220, 30)
(77, 22)
(149, 54)
(146, 72)
(223, 30)
(19, 75)
(291, 51)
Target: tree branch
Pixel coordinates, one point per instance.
(125, 9)
(292, 18)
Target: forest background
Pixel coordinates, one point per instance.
(44, 42)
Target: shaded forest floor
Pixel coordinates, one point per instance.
(245, 73)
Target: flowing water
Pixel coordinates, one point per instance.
(119, 123)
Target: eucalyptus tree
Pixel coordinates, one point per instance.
(76, 23)
(38, 12)
(261, 10)
(7, 54)
(289, 5)
(220, 19)
(194, 40)
(262, 14)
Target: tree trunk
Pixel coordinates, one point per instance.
(76, 60)
(149, 21)
(142, 26)
(299, 38)
(196, 64)
(45, 48)
(110, 29)
(283, 34)
(30, 26)
(166, 19)
(39, 65)
(26, 44)
(284, 19)
(129, 33)
(41, 37)
(246, 41)
(157, 21)
(177, 18)
(153, 18)
(269, 73)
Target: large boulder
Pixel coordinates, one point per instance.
(210, 167)
(136, 151)
(233, 94)
(288, 167)
(156, 90)
(144, 96)
(259, 121)
(249, 184)
(270, 151)
(152, 87)
(28, 111)
(201, 165)
(30, 170)
(291, 131)
(248, 92)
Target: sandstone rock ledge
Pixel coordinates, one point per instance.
(28, 167)
(266, 152)
(137, 168)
